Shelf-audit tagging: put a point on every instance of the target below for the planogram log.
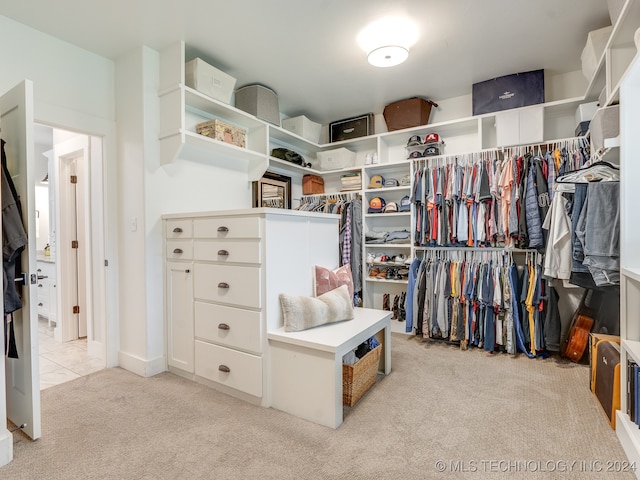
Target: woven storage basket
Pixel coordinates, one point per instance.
(223, 132)
(360, 377)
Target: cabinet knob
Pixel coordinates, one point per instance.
(39, 270)
(187, 271)
(223, 229)
(223, 285)
(223, 253)
(177, 250)
(224, 368)
(40, 304)
(39, 285)
(177, 230)
(223, 326)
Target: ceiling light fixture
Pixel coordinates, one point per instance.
(387, 41)
(388, 56)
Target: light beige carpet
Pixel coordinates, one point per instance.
(442, 413)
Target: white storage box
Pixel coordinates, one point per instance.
(336, 159)
(585, 112)
(593, 50)
(260, 101)
(207, 79)
(304, 127)
(605, 124)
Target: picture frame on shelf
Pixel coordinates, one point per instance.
(272, 190)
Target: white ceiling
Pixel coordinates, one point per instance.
(306, 50)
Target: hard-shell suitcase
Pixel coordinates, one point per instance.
(607, 381)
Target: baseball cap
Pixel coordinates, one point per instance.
(391, 207)
(432, 138)
(376, 205)
(406, 180)
(432, 149)
(377, 181)
(415, 140)
(405, 204)
(415, 155)
(391, 182)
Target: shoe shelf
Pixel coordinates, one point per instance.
(384, 280)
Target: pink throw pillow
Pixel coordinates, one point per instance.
(327, 280)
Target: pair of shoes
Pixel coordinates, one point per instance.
(371, 257)
(403, 273)
(373, 272)
(400, 259)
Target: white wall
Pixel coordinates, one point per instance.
(73, 89)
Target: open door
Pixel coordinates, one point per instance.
(22, 373)
(73, 245)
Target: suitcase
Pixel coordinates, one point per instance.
(607, 381)
(312, 184)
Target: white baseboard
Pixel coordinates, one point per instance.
(141, 366)
(6, 447)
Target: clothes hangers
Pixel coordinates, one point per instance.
(595, 172)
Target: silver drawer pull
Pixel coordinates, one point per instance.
(223, 326)
(177, 230)
(223, 253)
(177, 250)
(223, 229)
(223, 285)
(224, 368)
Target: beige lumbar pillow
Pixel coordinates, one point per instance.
(300, 312)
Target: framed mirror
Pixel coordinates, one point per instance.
(272, 190)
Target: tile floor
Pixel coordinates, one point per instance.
(61, 362)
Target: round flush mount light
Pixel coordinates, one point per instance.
(388, 56)
(387, 40)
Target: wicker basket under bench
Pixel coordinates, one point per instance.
(359, 377)
(306, 367)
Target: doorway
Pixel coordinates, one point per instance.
(67, 327)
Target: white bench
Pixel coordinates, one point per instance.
(306, 366)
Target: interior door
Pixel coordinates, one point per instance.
(73, 247)
(22, 374)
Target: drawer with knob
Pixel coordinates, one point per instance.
(234, 285)
(179, 249)
(227, 227)
(232, 368)
(228, 326)
(237, 251)
(178, 229)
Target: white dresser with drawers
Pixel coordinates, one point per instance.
(224, 272)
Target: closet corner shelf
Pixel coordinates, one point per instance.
(199, 148)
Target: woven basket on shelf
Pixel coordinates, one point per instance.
(360, 377)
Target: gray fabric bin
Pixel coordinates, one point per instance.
(260, 101)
